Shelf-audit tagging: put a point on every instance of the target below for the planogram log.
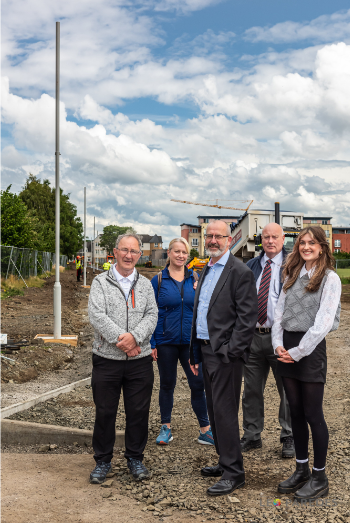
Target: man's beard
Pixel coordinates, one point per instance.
(217, 252)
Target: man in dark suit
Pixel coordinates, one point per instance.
(267, 270)
(224, 317)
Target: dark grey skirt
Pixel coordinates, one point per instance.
(312, 368)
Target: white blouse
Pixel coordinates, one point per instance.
(323, 322)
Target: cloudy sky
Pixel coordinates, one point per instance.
(185, 99)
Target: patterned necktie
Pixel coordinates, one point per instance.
(263, 294)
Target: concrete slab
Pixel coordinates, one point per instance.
(69, 339)
(25, 433)
(24, 405)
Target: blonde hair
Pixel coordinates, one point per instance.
(182, 240)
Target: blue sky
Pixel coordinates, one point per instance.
(185, 99)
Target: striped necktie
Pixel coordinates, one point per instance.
(263, 294)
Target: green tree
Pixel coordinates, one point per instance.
(110, 235)
(194, 253)
(39, 198)
(18, 228)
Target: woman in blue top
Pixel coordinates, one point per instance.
(174, 291)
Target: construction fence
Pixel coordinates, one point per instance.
(25, 263)
(342, 263)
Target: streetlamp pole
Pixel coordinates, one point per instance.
(85, 260)
(94, 256)
(57, 286)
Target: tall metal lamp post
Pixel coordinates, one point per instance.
(57, 286)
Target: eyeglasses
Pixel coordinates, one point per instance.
(217, 236)
(126, 251)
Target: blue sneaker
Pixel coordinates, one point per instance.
(137, 469)
(206, 438)
(98, 475)
(165, 436)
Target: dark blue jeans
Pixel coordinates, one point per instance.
(168, 356)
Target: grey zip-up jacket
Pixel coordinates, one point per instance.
(111, 315)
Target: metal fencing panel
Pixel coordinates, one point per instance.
(25, 263)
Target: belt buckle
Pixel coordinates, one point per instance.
(264, 330)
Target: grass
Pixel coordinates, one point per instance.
(15, 287)
(343, 273)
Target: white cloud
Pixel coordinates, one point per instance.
(277, 128)
(326, 28)
(11, 158)
(183, 6)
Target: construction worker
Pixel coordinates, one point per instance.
(78, 267)
(106, 265)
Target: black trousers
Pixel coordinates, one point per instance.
(78, 274)
(108, 377)
(222, 382)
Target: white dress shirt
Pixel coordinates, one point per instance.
(274, 286)
(125, 282)
(323, 322)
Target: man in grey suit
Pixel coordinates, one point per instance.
(267, 270)
(224, 317)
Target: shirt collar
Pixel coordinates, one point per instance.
(119, 277)
(304, 271)
(278, 259)
(221, 261)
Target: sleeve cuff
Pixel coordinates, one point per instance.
(295, 353)
(136, 338)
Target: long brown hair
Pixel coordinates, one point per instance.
(295, 262)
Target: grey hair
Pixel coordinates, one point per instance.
(128, 235)
(228, 226)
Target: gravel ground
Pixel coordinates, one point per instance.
(176, 488)
(176, 484)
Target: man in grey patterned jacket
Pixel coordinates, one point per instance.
(124, 314)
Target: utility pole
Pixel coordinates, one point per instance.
(93, 258)
(85, 260)
(57, 286)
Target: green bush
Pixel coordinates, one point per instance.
(9, 293)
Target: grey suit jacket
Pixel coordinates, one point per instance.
(232, 313)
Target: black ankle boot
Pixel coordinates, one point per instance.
(316, 487)
(297, 480)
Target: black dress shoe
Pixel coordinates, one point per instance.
(225, 486)
(316, 487)
(297, 480)
(215, 471)
(288, 448)
(249, 444)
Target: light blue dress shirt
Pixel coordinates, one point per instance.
(211, 278)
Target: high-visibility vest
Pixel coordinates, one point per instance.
(78, 264)
(106, 266)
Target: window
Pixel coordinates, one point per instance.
(337, 243)
(194, 242)
(336, 250)
(194, 230)
(327, 233)
(156, 244)
(206, 220)
(324, 222)
(313, 221)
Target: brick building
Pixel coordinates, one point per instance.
(324, 223)
(194, 234)
(341, 239)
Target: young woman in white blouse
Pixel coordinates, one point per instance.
(307, 310)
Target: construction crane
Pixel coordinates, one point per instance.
(218, 206)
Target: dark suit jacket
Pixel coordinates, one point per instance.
(232, 313)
